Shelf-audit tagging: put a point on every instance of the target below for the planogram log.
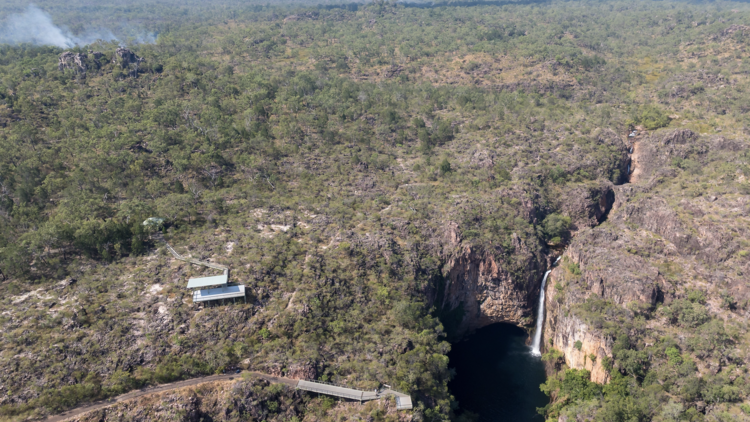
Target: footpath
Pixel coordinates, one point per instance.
(162, 388)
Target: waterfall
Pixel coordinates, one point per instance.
(537, 343)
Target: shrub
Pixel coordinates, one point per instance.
(573, 268)
(686, 314)
(691, 388)
(407, 314)
(558, 175)
(556, 226)
(576, 385)
(673, 356)
(553, 356)
(651, 117)
(709, 338)
(445, 166)
(696, 296)
(502, 174)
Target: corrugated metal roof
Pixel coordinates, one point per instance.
(216, 280)
(226, 292)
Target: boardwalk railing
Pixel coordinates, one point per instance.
(174, 253)
(332, 390)
(403, 401)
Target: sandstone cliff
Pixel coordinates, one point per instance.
(663, 240)
(483, 286)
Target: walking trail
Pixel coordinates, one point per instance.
(403, 401)
(162, 388)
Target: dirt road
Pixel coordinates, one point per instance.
(162, 388)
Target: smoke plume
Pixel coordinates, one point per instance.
(34, 26)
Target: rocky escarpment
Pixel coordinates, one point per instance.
(479, 290)
(483, 286)
(664, 237)
(595, 265)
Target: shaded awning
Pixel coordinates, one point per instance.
(216, 280)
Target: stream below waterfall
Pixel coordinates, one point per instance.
(497, 377)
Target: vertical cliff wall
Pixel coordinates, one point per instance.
(481, 287)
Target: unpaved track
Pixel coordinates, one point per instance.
(162, 388)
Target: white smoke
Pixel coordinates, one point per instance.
(34, 26)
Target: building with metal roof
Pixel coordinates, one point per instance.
(229, 291)
(216, 280)
(210, 289)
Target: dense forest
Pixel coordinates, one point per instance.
(321, 151)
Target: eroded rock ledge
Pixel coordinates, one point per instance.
(656, 244)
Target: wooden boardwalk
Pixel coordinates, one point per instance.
(160, 237)
(403, 401)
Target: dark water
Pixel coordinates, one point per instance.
(496, 376)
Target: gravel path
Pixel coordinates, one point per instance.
(162, 388)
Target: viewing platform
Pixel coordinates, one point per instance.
(208, 289)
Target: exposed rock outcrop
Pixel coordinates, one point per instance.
(653, 155)
(478, 284)
(70, 60)
(247, 399)
(126, 57)
(588, 204)
(79, 62)
(658, 244)
(127, 60)
(300, 371)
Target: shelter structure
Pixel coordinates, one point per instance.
(209, 290)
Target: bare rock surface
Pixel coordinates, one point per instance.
(70, 60)
(656, 245)
(126, 57)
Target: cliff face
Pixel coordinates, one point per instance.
(479, 285)
(594, 266)
(566, 333)
(484, 287)
(663, 239)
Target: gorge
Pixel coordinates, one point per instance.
(464, 201)
(498, 374)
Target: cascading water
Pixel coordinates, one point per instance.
(537, 343)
